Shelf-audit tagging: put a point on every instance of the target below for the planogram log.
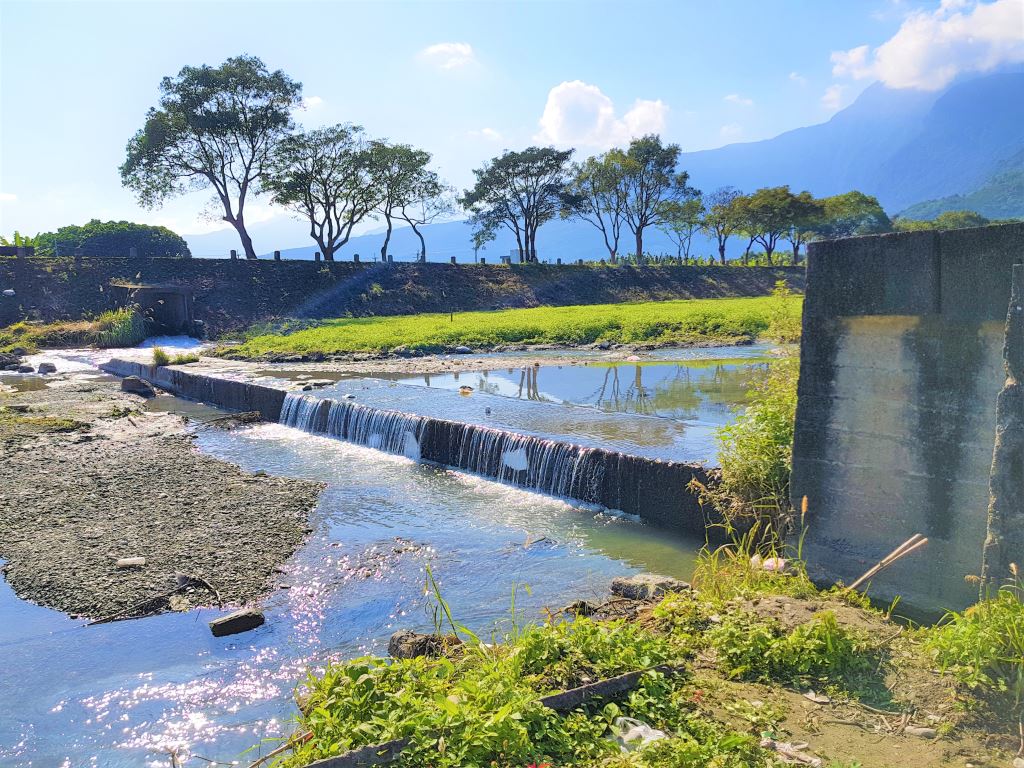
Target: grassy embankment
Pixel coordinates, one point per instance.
(116, 328)
(660, 323)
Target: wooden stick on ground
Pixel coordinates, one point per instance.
(914, 542)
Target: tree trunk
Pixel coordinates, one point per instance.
(239, 224)
(387, 239)
(796, 254)
(639, 244)
(721, 252)
(423, 243)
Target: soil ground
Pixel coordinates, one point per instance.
(88, 477)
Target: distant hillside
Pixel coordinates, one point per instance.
(902, 146)
(1001, 197)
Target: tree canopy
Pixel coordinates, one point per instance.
(596, 193)
(519, 191)
(111, 238)
(325, 176)
(215, 128)
(651, 181)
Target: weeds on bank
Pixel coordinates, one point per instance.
(115, 328)
(983, 646)
(661, 322)
(160, 358)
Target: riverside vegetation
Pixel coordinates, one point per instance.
(115, 328)
(660, 323)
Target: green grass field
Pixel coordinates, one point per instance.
(656, 323)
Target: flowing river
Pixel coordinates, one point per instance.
(130, 693)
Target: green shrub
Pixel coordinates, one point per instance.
(755, 649)
(120, 328)
(983, 647)
(756, 452)
(184, 358)
(160, 357)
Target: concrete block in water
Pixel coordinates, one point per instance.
(646, 586)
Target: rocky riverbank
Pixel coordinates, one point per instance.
(90, 477)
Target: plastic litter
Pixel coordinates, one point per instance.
(631, 734)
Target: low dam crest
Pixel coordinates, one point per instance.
(654, 490)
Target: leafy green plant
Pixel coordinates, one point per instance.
(983, 646)
(120, 328)
(756, 453)
(783, 324)
(184, 358)
(160, 357)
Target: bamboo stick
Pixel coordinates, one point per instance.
(914, 542)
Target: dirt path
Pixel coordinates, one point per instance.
(87, 477)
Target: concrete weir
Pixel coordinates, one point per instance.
(654, 490)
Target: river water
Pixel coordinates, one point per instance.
(130, 693)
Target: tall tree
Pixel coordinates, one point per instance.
(805, 213)
(596, 193)
(681, 220)
(651, 181)
(719, 217)
(401, 176)
(430, 200)
(215, 127)
(519, 191)
(851, 214)
(767, 214)
(324, 176)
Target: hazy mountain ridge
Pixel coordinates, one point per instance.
(914, 150)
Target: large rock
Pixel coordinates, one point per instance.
(137, 386)
(47, 368)
(463, 351)
(646, 586)
(405, 644)
(26, 368)
(239, 621)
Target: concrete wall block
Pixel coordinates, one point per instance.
(976, 267)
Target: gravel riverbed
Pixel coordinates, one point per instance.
(88, 477)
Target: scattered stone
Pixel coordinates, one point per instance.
(817, 698)
(18, 408)
(924, 733)
(307, 388)
(8, 292)
(463, 351)
(580, 608)
(646, 586)
(47, 368)
(26, 368)
(1018, 762)
(348, 396)
(130, 562)
(137, 386)
(405, 644)
(239, 621)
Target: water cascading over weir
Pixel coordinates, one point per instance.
(652, 489)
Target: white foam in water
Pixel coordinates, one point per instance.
(516, 460)
(411, 446)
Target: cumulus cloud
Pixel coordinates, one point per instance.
(832, 99)
(797, 78)
(932, 48)
(448, 55)
(489, 134)
(312, 102)
(578, 114)
(735, 98)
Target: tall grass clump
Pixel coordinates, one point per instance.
(160, 357)
(756, 453)
(983, 646)
(120, 328)
(783, 324)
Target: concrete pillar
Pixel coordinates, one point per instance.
(277, 255)
(316, 256)
(483, 260)
(391, 258)
(453, 259)
(22, 252)
(355, 258)
(558, 262)
(580, 262)
(234, 254)
(133, 252)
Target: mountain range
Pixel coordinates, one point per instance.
(918, 152)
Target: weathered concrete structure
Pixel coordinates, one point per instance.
(228, 295)
(901, 365)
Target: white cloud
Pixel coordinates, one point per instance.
(797, 78)
(731, 131)
(832, 99)
(578, 114)
(932, 48)
(735, 98)
(8, 197)
(312, 102)
(448, 55)
(488, 134)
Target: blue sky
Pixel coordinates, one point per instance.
(463, 80)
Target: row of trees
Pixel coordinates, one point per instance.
(230, 129)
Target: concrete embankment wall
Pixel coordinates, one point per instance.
(233, 294)
(901, 363)
(654, 490)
